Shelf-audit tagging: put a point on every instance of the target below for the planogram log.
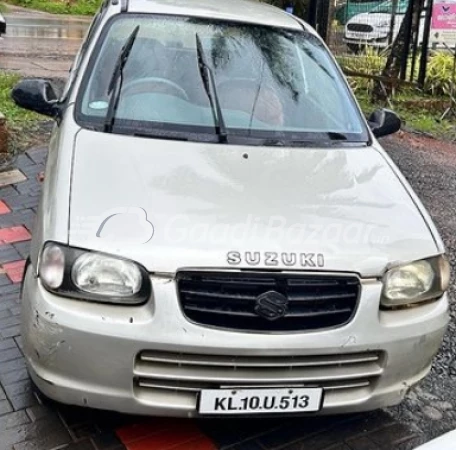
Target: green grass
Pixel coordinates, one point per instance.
(77, 7)
(411, 108)
(15, 115)
(22, 125)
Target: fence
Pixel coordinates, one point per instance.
(383, 40)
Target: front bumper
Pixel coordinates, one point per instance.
(372, 39)
(150, 360)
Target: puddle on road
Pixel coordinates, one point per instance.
(46, 28)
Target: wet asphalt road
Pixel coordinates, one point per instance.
(430, 167)
(38, 44)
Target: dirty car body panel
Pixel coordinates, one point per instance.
(271, 258)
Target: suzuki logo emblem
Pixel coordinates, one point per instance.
(271, 305)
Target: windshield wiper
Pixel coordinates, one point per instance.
(115, 85)
(207, 76)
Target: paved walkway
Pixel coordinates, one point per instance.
(29, 423)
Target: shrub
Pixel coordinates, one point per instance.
(369, 62)
(440, 75)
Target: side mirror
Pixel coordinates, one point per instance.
(37, 95)
(384, 122)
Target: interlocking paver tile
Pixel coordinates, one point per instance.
(14, 270)
(12, 377)
(9, 322)
(5, 313)
(44, 434)
(4, 281)
(5, 407)
(165, 434)
(14, 234)
(7, 343)
(394, 434)
(23, 401)
(8, 253)
(9, 354)
(11, 331)
(23, 202)
(23, 248)
(6, 302)
(19, 387)
(12, 366)
(11, 177)
(41, 411)
(37, 155)
(25, 217)
(13, 420)
(4, 208)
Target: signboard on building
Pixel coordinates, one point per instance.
(443, 28)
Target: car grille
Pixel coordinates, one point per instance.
(360, 27)
(178, 378)
(229, 300)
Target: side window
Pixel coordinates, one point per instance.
(82, 50)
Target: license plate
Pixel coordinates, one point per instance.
(260, 401)
(359, 36)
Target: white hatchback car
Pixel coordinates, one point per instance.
(219, 231)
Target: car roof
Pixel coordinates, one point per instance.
(249, 11)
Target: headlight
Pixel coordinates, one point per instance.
(416, 282)
(92, 276)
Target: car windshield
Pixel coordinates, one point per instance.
(270, 82)
(387, 7)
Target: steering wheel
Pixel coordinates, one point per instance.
(154, 84)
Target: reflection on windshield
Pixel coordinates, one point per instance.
(268, 80)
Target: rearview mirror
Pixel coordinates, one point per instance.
(37, 95)
(384, 122)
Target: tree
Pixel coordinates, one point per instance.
(395, 63)
(300, 6)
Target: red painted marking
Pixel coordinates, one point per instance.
(14, 234)
(4, 208)
(14, 270)
(165, 434)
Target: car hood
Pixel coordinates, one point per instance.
(171, 205)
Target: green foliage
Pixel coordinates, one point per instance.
(369, 62)
(79, 7)
(13, 113)
(300, 6)
(22, 124)
(440, 73)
